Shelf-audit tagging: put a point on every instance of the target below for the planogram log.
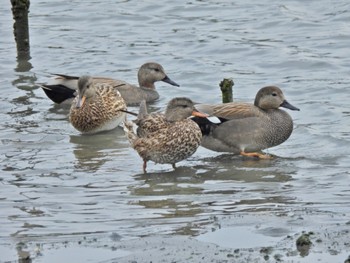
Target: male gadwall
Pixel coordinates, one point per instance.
(166, 138)
(246, 129)
(64, 86)
(97, 107)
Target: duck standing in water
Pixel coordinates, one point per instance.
(166, 138)
(65, 87)
(97, 107)
(245, 128)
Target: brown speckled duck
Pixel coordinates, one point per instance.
(246, 129)
(97, 107)
(166, 138)
(64, 86)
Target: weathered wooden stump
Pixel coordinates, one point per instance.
(20, 10)
(226, 90)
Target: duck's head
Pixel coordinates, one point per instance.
(86, 90)
(271, 97)
(151, 72)
(181, 108)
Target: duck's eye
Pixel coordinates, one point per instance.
(156, 69)
(274, 94)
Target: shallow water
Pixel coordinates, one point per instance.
(57, 184)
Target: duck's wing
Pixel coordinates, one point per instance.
(150, 124)
(229, 111)
(72, 81)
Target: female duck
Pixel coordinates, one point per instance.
(166, 138)
(64, 86)
(245, 128)
(97, 107)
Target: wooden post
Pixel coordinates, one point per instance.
(20, 9)
(226, 90)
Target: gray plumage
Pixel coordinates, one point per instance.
(248, 128)
(64, 86)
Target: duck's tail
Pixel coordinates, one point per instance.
(58, 93)
(129, 131)
(142, 110)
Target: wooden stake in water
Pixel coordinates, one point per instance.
(20, 9)
(226, 90)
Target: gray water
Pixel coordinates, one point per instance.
(57, 185)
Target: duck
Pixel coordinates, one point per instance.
(165, 138)
(97, 107)
(65, 86)
(246, 129)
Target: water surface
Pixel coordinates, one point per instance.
(58, 185)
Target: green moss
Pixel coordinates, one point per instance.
(226, 90)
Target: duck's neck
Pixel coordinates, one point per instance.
(149, 94)
(146, 85)
(172, 117)
(149, 86)
(94, 95)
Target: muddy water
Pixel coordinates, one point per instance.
(58, 186)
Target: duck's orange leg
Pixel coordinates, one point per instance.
(256, 154)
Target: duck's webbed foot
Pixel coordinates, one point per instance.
(256, 155)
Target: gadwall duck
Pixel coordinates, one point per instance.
(64, 86)
(97, 107)
(165, 138)
(246, 129)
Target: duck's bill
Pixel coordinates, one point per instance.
(169, 81)
(286, 104)
(80, 102)
(199, 114)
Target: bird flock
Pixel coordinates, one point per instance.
(100, 104)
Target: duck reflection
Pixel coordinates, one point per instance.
(222, 167)
(221, 185)
(231, 167)
(93, 151)
(181, 181)
(61, 111)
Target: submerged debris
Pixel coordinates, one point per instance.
(304, 243)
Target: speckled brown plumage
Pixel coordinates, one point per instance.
(101, 109)
(166, 138)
